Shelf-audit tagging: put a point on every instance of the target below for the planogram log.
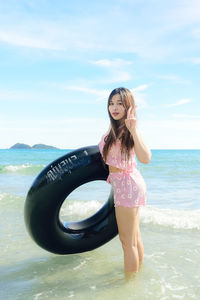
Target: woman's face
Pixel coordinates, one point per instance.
(116, 108)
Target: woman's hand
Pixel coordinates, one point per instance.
(131, 121)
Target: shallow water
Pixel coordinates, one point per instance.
(170, 227)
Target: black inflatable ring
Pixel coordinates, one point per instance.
(48, 192)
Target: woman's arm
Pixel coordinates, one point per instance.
(142, 152)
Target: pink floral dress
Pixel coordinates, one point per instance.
(128, 185)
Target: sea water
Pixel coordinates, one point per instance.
(170, 228)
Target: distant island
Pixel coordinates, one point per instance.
(36, 146)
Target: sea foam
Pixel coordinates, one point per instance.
(21, 169)
(15, 168)
(180, 219)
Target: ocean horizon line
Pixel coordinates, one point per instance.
(72, 149)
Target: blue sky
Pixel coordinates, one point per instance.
(59, 60)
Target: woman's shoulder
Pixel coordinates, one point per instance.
(102, 141)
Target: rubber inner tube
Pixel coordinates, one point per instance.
(49, 191)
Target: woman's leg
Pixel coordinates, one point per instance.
(128, 227)
(140, 246)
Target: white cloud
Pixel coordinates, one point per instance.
(116, 70)
(185, 14)
(61, 34)
(140, 88)
(178, 103)
(169, 77)
(104, 94)
(195, 60)
(25, 40)
(173, 78)
(99, 94)
(185, 116)
(20, 95)
(118, 76)
(32, 95)
(140, 102)
(112, 63)
(139, 96)
(116, 28)
(51, 95)
(74, 35)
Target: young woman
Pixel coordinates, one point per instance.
(118, 148)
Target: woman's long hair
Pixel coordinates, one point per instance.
(118, 129)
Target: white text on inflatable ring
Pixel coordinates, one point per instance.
(65, 166)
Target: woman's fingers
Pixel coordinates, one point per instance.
(131, 112)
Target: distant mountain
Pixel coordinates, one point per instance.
(20, 146)
(37, 146)
(42, 146)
